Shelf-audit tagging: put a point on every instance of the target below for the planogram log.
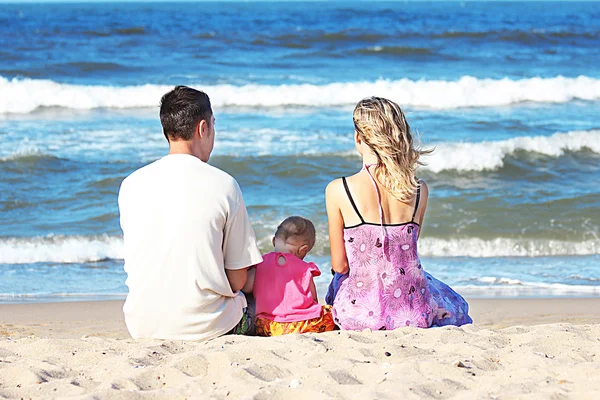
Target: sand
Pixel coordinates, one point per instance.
(515, 349)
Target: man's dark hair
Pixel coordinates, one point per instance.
(181, 110)
(298, 227)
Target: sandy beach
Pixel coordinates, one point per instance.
(533, 348)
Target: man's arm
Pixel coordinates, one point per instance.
(240, 251)
(237, 278)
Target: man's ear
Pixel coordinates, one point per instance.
(273, 241)
(202, 129)
(303, 251)
(199, 129)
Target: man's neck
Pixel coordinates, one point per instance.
(182, 147)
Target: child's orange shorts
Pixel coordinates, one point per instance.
(324, 323)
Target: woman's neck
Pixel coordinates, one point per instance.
(369, 159)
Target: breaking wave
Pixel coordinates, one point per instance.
(17, 94)
(490, 155)
(81, 249)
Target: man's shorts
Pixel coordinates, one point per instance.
(245, 326)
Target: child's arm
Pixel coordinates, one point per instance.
(313, 290)
(249, 286)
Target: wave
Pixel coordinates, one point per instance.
(60, 249)
(520, 36)
(322, 150)
(351, 36)
(523, 289)
(396, 51)
(526, 289)
(505, 247)
(311, 38)
(490, 155)
(466, 92)
(82, 249)
(135, 30)
(26, 153)
(21, 297)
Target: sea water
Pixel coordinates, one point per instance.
(508, 95)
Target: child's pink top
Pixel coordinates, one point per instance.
(282, 292)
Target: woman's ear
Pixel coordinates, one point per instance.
(273, 241)
(358, 143)
(357, 138)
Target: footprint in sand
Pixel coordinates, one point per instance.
(267, 373)
(192, 366)
(344, 378)
(166, 377)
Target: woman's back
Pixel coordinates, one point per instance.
(365, 197)
(387, 287)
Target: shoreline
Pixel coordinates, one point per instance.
(105, 318)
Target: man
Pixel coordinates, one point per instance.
(188, 239)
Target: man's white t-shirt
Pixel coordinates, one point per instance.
(184, 222)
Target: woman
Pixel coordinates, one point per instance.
(375, 218)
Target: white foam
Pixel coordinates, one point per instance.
(527, 289)
(60, 249)
(33, 296)
(490, 155)
(80, 249)
(26, 95)
(21, 152)
(504, 247)
(499, 281)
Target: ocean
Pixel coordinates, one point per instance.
(508, 95)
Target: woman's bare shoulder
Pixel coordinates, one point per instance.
(424, 189)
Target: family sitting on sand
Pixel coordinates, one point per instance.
(191, 253)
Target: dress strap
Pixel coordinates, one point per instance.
(366, 167)
(383, 232)
(352, 200)
(417, 202)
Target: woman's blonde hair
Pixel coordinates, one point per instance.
(381, 124)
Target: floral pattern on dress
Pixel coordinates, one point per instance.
(362, 282)
(387, 287)
(360, 243)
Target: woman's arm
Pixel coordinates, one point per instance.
(422, 205)
(339, 261)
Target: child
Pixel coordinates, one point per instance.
(375, 218)
(284, 290)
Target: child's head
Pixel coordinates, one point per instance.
(295, 235)
(381, 128)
